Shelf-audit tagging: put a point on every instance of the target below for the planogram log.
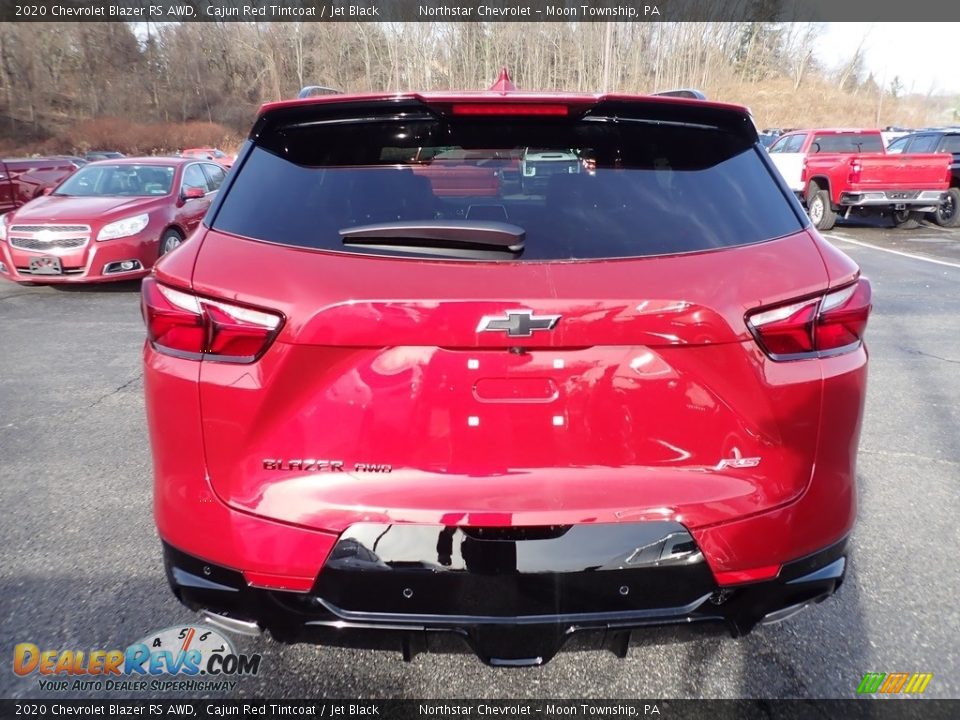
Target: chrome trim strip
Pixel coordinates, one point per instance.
(182, 577)
(234, 625)
(407, 619)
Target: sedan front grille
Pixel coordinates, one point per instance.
(50, 228)
(66, 271)
(49, 237)
(35, 244)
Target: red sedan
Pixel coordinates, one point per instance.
(388, 417)
(111, 220)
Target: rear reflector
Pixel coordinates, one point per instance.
(509, 109)
(186, 325)
(736, 577)
(827, 325)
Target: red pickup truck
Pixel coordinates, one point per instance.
(456, 172)
(845, 171)
(23, 179)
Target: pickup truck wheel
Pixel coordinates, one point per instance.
(170, 240)
(906, 219)
(820, 211)
(949, 213)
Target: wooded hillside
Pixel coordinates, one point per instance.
(70, 86)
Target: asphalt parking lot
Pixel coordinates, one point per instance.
(80, 563)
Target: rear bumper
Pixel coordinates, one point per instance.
(512, 596)
(919, 200)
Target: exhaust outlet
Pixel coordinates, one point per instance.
(234, 625)
(789, 611)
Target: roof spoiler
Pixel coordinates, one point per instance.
(317, 90)
(688, 93)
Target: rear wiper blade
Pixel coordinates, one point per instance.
(451, 238)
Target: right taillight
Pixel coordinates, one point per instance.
(190, 326)
(820, 326)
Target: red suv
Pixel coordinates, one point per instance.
(111, 220)
(390, 417)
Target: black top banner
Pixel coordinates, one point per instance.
(478, 10)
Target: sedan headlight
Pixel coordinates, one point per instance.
(3, 226)
(124, 228)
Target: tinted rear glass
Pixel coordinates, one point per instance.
(585, 188)
(951, 144)
(848, 143)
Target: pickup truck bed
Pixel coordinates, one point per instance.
(843, 171)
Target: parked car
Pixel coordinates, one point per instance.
(95, 155)
(111, 220)
(846, 171)
(891, 133)
(767, 139)
(377, 421)
(538, 165)
(214, 154)
(23, 179)
(947, 141)
(456, 172)
(75, 160)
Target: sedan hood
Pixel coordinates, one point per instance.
(54, 208)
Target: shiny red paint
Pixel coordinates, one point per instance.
(166, 212)
(849, 172)
(842, 174)
(691, 364)
(210, 153)
(23, 179)
(650, 401)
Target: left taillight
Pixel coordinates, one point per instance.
(856, 170)
(185, 325)
(821, 326)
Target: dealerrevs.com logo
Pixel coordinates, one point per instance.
(199, 658)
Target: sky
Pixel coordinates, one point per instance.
(922, 55)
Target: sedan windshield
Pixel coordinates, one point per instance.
(123, 180)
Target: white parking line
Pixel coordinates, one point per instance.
(841, 238)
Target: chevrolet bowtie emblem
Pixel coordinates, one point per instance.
(517, 323)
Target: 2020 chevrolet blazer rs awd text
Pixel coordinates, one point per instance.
(401, 397)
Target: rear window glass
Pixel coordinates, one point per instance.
(925, 144)
(951, 144)
(578, 189)
(847, 143)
